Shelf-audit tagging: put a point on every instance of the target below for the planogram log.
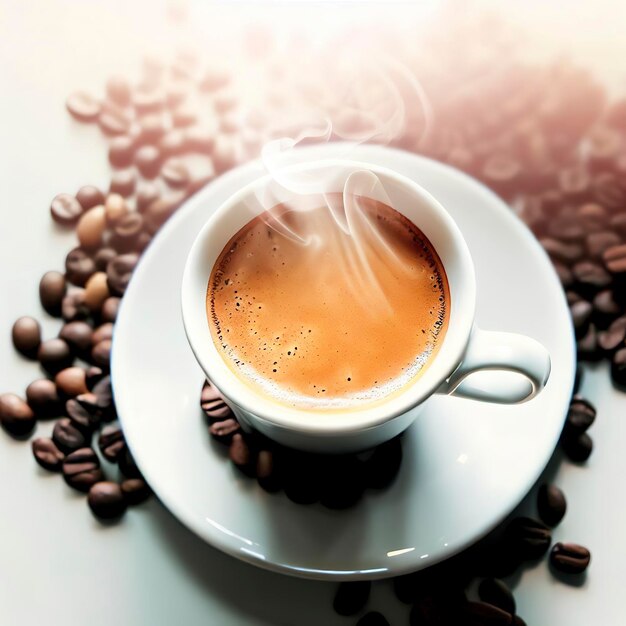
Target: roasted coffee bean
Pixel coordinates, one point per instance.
(106, 500)
(605, 308)
(147, 101)
(551, 506)
(162, 209)
(118, 90)
(570, 558)
(122, 151)
(116, 208)
(484, 614)
(239, 452)
(267, 472)
(566, 227)
(175, 173)
(575, 183)
(564, 273)
(127, 464)
(607, 191)
(588, 346)
(26, 335)
(567, 253)
(603, 146)
(615, 259)
(152, 128)
(213, 405)
(224, 153)
(123, 182)
(592, 216)
(83, 413)
(373, 618)
(114, 121)
(103, 332)
(618, 369)
(351, 597)
(78, 335)
(581, 316)
(111, 443)
(81, 469)
(224, 430)
(128, 228)
(224, 101)
(119, 272)
(89, 197)
(55, 355)
(148, 161)
(577, 447)
(617, 223)
(345, 488)
(43, 398)
(147, 193)
(101, 354)
(93, 376)
(96, 291)
(611, 339)
(597, 243)
(103, 391)
(174, 143)
(83, 107)
(79, 267)
(135, 490)
(184, 116)
(103, 257)
(67, 436)
(47, 454)
(16, 417)
(580, 416)
(591, 277)
(52, 290)
(71, 382)
(382, 467)
(199, 139)
(496, 592)
(528, 538)
(65, 209)
(110, 307)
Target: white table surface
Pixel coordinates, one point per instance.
(59, 564)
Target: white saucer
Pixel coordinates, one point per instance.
(466, 464)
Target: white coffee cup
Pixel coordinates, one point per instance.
(464, 350)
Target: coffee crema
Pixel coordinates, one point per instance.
(328, 307)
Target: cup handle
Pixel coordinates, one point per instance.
(492, 350)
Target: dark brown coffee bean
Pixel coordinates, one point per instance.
(26, 335)
(101, 354)
(135, 490)
(84, 414)
(52, 290)
(564, 273)
(47, 454)
(587, 346)
(383, 466)
(591, 277)
(161, 209)
(608, 192)
(67, 436)
(16, 417)
(55, 355)
(618, 369)
(551, 506)
(577, 447)
(605, 308)
(224, 430)
(89, 197)
(147, 193)
(65, 209)
(568, 253)
(611, 339)
(528, 538)
(110, 309)
(111, 443)
(114, 121)
(615, 259)
(122, 151)
(71, 382)
(93, 376)
(106, 500)
(43, 398)
(239, 452)
(575, 183)
(127, 464)
(78, 335)
(484, 614)
(496, 592)
(581, 415)
(123, 182)
(83, 107)
(213, 404)
(175, 173)
(581, 316)
(103, 257)
(148, 161)
(373, 618)
(118, 90)
(351, 597)
(618, 223)
(597, 243)
(267, 474)
(81, 469)
(592, 216)
(104, 392)
(79, 267)
(129, 227)
(570, 558)
(119, 272)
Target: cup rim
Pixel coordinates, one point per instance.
(324, 422)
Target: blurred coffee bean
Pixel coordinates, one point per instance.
(26, 335)
(224, 153)
(608, 192)
(591, 277)
(527, 537)
(67, 436)
(161, 209)
(96, 291)
(110, 307)
(147, 193)
(123, 182)
(16, 417)
(605, 308)
(127, 464)
(587, 346)
(135, 490)
(147, 101)
(592, 216)
(128, 229)
(89, 196)
(184, 116)
(148, 161)
(102, 258)
(570, 558)
(618, 369)
(351, 597)
(175, 173)
(213, 404)
(239, 452)
(551, 506)
(578, 378)
(55, 355)
(104, 392)
(152, 129)
(93, 376)
(83, 107)
(79, 266)
(577, 447)
(580, 415)
(43, 398)
(111, 443)
(496, 592)
(373, 618)
(106, 500)
(383, 466)
(611, 339)
(118, 90)
(224, 430)
(81, 469)
(52, 290)
(122, 151)
(484, 614)
(47, 454)
(213, 80)
(119, 273)
(101, 354)
(615, 259)
(597, 243)
(575, 183)
(603, 146)
(566, 227)
(174, 143)
(568, 253)
(564, 273)
(618, 223)
(199, 139)
(78, 336)
(267, 472)
(224, 101)
(114, 121)
(65, 209)
(71, 382)
(116, 208)
(581, 316)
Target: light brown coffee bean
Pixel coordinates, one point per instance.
(91, 227)
(115, 208)
(148, 161)
(175, 173)
(123, 182)
(147, 193)
(122, 151)
(71, 382)
(118, 90)
(615, 259)
(83, 107)
(114, 121)
(96, 291)
(103, 332)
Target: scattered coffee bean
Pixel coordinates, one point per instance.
(528, 538)
(175, 173)
(114, 121)
(551, 506)
(111, 443)
(93, 376)
(224, 430)
(118, 90)
(79, 267)
(148, 161)
(570, 558)
(598, 242)
(605, 308)
(103, 332)
(161, 210)
(101, 354)
(81, 469)
(581, 316)
(65, 209)
(67, 436)
(135, 490)
(127, 464)
(611, 339)
(568, 253)
(26, 335)
(71, 382)
(588, 346)
(147, 193)
(89, 196)
(147, 101)
(103, 257)
(373, 618)
(213, 404)
(83, 412)
(106, 500)
(96, 291)
(239, 452)
(110, 307)
(127, 230)
(78, 336)
(496, 592)
(119, 272)
(55, 355)
(83, 107)
(578, 448)
(16, 417)
(47, 454)
(591, 277)
(43, 398)
(123, 182)
(351, 597)
(52, 290)
(122, 151)
(152, 129)
(615, 259)
(580, 416)
(618, 369)
(115, 207)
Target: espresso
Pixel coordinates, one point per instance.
(328, 306)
